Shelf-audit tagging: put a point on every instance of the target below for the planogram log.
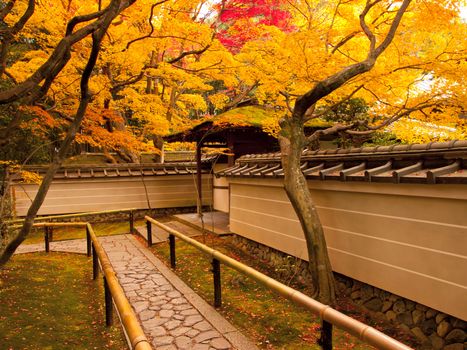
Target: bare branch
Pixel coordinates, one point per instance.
(119, 85)
(392, 30)
(403, 112)
(149, 35)
(240, 97)
(210, 67)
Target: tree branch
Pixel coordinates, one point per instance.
(55, 63)
(80, 19)
(6, 10)
(192, 52)
(8, 34)
(333, 82)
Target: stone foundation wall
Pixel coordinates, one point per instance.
(434, 329)
(124, 215)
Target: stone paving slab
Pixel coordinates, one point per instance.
(171, 314)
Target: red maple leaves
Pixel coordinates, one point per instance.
(241, 19)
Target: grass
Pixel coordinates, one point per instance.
(49, 301)
(64, 233)
(272, 321)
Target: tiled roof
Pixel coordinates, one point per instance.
(436, 162)
(119, 170)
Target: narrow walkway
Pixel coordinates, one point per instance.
(173, 316)
(67, 246)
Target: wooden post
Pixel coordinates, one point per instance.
(132, 222)
(216, 271)
(149, 229)
(108, 304)
(326, 336)
(199, 178)
(95, 263)
(88, 242)
(46, 239)
(230, 146)
(172, 251)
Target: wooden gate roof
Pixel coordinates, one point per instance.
(436, 162)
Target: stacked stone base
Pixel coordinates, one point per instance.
(124, 215)
(434, 329)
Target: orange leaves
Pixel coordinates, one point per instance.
(104, 128)
(42, 117)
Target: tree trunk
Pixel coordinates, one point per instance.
(159, 144)
(292, 140)
(8, 246)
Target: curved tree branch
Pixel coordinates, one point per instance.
(151, 15)
(55, 63)
(335, 81)
(6, 10)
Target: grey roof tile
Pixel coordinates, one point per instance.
(435, 162)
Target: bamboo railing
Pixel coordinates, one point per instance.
(112, 289)
(329, 315)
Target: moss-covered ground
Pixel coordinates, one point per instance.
(49, 301)
(270, 320)
(64, 233)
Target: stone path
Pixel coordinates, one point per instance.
(159, 235)
(167, 309)
(68, 246)
(172, 315)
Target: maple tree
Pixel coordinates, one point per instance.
(37, 84)
(241, 20)
(379, 52)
